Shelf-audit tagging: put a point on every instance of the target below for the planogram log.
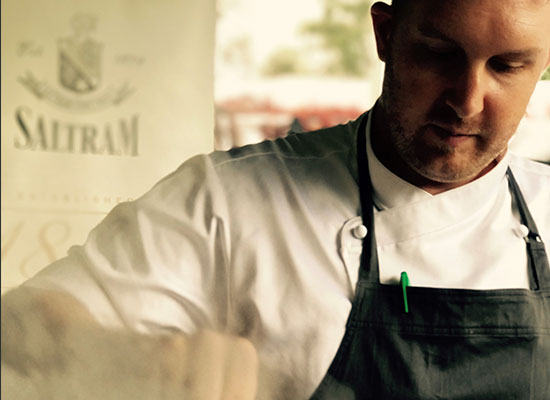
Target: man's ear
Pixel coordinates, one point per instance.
(382, 17)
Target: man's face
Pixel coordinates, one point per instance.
(459, 75)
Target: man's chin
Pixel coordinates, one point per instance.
(448, 173)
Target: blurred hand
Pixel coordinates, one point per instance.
(52, 348)
(218, 366)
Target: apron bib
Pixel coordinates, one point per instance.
(452, 343)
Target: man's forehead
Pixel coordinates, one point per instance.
(497, 6)
(520, 15)
(399, 3)
(484, 27)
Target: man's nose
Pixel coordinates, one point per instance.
(467, 94)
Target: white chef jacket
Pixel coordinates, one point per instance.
(265, 240)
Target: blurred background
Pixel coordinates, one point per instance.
(279, 65)
(285, 66)
(101, 99)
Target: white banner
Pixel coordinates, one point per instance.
(100, 99)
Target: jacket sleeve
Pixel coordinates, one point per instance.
(156, 264)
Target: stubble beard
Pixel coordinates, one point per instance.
(438, 163)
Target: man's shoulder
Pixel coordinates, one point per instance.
(533, 178)
(295, 146)
(525, 166)
(325, 155)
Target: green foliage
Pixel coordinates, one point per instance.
(284, 61)
(342, 31)
(546, 75)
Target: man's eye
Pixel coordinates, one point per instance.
(437, 54)
(505, 67)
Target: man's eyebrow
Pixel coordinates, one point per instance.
(520, 54)
(430, 31)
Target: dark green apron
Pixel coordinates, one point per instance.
(453, 343)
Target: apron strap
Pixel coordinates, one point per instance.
(539, 270)
(369, 255)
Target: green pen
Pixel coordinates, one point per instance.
(404, 284)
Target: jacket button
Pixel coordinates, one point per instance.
(360, 231)
(523, 231)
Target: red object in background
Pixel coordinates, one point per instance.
(247, 104)
(313, 118)
(273, 121)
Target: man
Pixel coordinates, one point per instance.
(285, 259)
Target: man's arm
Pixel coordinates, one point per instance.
(53, 348)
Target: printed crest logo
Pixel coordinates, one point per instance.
(79, 70)
(78, 87)
(80, 56)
